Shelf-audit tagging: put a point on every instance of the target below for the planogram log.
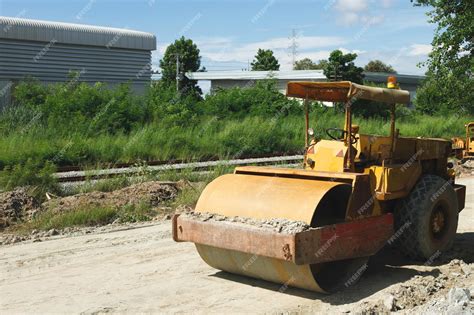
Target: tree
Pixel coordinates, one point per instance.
(189, 60)
(445, 93)
(449, 83)
(308, 64)
(379, 66)
(265, 61)
(341, 66)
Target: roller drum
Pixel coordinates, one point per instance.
(312, 201)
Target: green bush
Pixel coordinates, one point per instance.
(168, 106)
(35, 174)
(446, 95)
(82, 107)
(261, 99)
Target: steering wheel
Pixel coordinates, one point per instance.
(342, 134)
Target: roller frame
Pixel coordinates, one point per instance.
(358, 238)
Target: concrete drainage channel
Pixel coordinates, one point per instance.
(78, 177)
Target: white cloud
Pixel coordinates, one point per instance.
(419, 50)
(350, 12)
(386, 3)
(352, 5)
(401, 59)
(211, 43)
(372, 20)
(353, 51)
(225, 50)
(348, 18)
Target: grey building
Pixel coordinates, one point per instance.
(227, 79)
(409, 82)
(50, 51)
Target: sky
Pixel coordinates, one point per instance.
(229, 32)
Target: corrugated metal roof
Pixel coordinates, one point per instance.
(68, 33)
(257, 75)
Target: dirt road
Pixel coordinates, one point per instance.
(143, 270)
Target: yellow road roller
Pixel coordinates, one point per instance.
(463, 149)
(355, 193)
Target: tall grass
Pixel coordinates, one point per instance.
(233, 137)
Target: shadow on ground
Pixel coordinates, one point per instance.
(386, 268)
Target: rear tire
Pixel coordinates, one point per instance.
(426, 221)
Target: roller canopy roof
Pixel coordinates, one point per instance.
(345, 90)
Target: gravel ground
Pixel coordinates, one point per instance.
(139, 269)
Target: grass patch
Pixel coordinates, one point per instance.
(78, 217)
(34, 174)
(89, 216)
(189, 195)
(103, 185)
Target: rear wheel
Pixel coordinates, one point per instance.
(426, 221)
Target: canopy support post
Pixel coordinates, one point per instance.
(349, 163)
(306, 110)
(306, 119)
(392, 130)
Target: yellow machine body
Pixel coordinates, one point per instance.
(463, 148)
(392, 175)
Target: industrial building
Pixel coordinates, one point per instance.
(228, 79)
(51, 51)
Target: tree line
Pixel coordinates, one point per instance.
(448, 87)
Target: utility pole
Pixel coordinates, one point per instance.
(177, 73)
